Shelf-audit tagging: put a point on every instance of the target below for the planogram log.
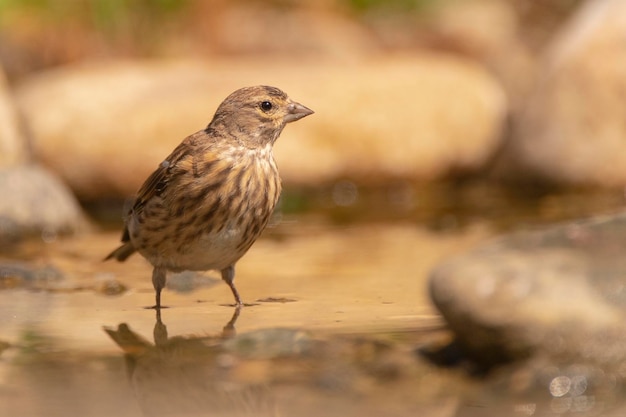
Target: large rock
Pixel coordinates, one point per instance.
(558, 294)
(572, 129)
(419, 117)
(33, 200)
(493, 33)
(13, 149)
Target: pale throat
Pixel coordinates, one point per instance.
(257, 153)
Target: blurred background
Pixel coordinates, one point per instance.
(442, 111)
(438, 125)
(40, 34)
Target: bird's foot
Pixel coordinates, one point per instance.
(155, 307)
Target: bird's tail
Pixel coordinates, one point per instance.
(121, 253)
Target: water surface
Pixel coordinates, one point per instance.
(339, 321)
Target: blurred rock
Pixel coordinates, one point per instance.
(36, 203)
(417, 117)
(34, 200)
(188, 281)
(23, 275)
(492, 32)
(572, 129)
(110, 286)
(558, 293)
(13, 149)
(271, 343)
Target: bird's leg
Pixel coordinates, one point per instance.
(160, 330)
(158, 281)
(228, 332)
(228, 275)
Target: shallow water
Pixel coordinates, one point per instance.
(326, 280)
(339, 323)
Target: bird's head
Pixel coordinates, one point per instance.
(257, 114)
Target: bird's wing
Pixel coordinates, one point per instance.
(155, 185)
(182, 166)
(157, 182)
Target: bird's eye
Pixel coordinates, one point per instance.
(266, 106)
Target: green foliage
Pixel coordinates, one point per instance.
(101, 12)
(107, 13)
(391, 5)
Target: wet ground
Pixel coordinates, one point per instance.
(339, 322)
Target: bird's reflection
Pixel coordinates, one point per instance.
(190, 375)
(160, 329)
(261, 371)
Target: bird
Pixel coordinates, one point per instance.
(210, 199)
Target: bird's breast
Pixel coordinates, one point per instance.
(214, 223)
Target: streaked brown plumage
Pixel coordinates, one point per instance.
(208, 202)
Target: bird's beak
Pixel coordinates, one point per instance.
(296, 111)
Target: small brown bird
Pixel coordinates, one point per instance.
(208, 202)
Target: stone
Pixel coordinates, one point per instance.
(558, 293)
(36, 203)
(271, 343)
(421, 117)
(23, 275)
(571, 130)
(34, 200)
(493, 33)
(13, 148)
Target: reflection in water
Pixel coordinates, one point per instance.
(277, 371)
(273, 372)
(189, 376)
(51, 366)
